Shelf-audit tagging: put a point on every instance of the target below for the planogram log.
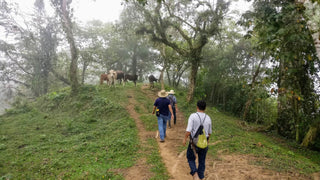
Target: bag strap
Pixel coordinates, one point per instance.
(201, 123)
(205, 115)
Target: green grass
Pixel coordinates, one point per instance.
(148, 119)
(282, 155)
(87, 136)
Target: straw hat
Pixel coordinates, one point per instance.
(171, 92)
(162, 93)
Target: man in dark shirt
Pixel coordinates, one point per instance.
(163, 104)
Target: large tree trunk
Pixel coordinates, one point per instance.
(164, 56)
(84, 69)
(193, 79)
(161, 74)
(168, 77)
(285, 116)
(63, 9)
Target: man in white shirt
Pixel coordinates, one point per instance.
(194, 122)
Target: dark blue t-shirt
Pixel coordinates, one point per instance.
(162, 104)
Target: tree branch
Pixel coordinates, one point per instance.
(60, 77)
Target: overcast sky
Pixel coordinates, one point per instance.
(84, 10)
(104, 10)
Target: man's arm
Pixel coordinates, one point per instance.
(170, 109)
(154, 108)
(186, 137)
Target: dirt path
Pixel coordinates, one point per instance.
(140, 171)
(229, 167)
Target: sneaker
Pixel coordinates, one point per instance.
(162, 140)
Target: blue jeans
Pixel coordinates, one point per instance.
(201, 160)
(162, 125)
(174, 115)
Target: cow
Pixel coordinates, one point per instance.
(112, 76)
(104, 77)
(151, 80)
(130, 77)
(120, 76)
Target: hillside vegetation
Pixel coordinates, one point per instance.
(92, 136)
(59, 136)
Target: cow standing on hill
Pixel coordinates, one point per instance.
(104, 77)
(112, 76)
(152, 79)
(130, 77)
(120, 76)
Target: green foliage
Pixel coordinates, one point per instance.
(199, 90)
(282, 30)
(19, 106)
(263, 111)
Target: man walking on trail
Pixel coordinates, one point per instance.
(173, 102)
(194, 122)
(162, 104)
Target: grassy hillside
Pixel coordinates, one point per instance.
(60, 136)
(64, 137)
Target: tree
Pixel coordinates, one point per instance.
(312, 12)
(94, 40)
(32, 53)
(282, 31)
(176, 68)
(193, 21)
(137, 52)
(64, 11)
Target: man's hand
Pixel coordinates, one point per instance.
(184, 142)
(185, 138)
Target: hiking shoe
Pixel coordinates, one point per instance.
(162, 140)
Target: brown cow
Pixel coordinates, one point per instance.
(130, 77)
(104, 77)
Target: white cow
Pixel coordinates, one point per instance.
(112, 76)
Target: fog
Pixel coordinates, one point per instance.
(6, 97)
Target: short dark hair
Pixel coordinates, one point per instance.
(201, 104)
